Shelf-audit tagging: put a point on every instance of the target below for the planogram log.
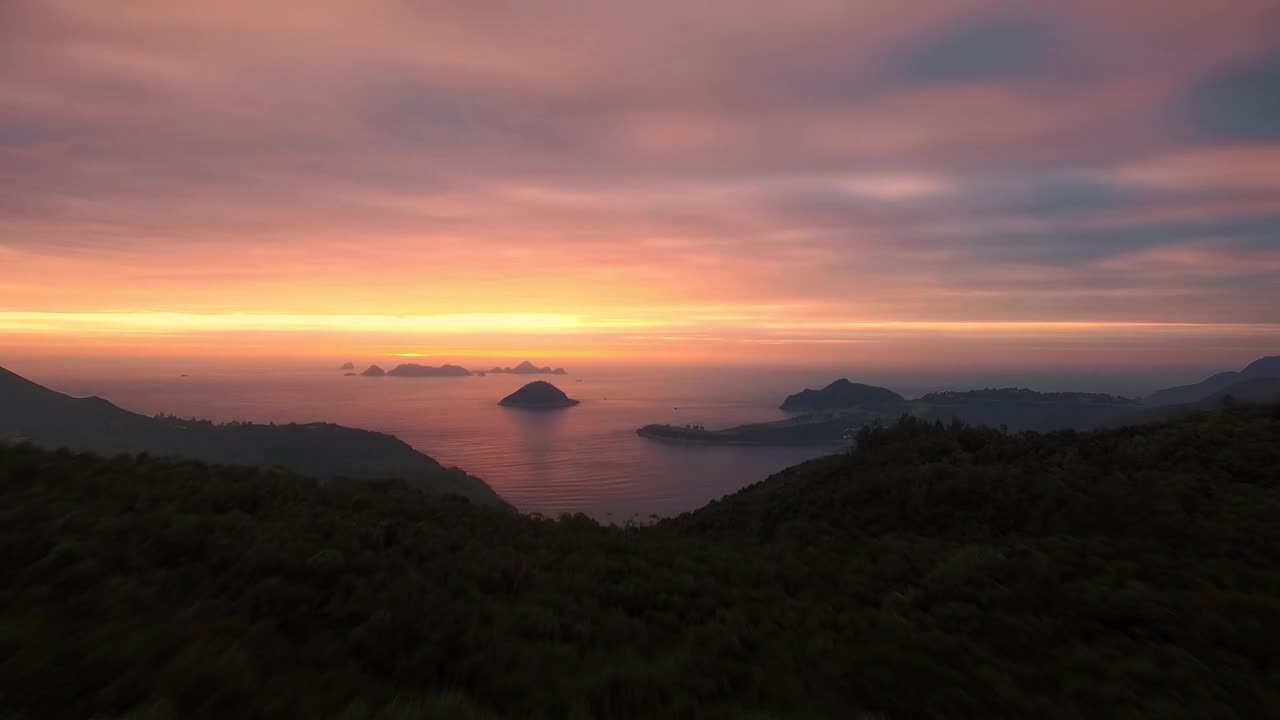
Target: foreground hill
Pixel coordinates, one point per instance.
(935, 572)
(50, 419)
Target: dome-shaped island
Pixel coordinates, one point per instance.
(538, 395)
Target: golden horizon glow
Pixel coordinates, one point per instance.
(180, 323)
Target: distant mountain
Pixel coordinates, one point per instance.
(415, 370)
(44, 417)
(843, 394)
(374, 371)
(527, 368)
(538, 395)
(347, 366)
(1013, 408)
(1252, 391)
(1267, 367)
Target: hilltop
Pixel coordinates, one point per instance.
(844, 394)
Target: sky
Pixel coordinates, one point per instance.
(810, 182)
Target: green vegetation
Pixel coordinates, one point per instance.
(937, 571)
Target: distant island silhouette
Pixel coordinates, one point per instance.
(374, 371)
(833, 414)
(347, 366)
(526, 368)
(416, 370)
(538, 395)
(843, 394)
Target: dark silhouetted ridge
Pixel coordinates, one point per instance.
(50, 419)
(1266, 367)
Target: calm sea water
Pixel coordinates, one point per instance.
(586, 458)
(581, 459)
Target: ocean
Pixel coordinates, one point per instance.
(582, 459)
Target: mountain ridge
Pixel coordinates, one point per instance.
(1264, 367)
(29, 411)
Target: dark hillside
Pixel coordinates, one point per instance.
(51, 419)
(935, 572)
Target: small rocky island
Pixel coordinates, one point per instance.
(374, 371)
(538, 395)
(347, 366)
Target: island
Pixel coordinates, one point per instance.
(415, 370)
(843, 394)
(538, 395)
(527, 368)
(374, 371)
(1014, 409)
(347, 366)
